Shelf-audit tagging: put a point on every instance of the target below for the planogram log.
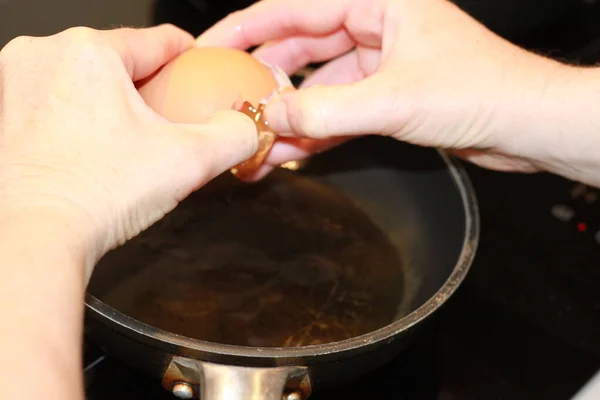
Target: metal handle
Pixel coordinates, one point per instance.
(194, 379)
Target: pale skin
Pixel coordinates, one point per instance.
(421, 71)
(85, 165)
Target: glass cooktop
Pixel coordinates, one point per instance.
(524, 325)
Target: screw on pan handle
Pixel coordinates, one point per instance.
(183, 391)
(194, 379)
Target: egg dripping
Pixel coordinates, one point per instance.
(202, 81)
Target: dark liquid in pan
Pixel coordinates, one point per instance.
(285, 262)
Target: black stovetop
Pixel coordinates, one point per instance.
(524, 325)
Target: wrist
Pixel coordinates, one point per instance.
(572, 138)
(41, 297)
(577, 142)
(557, 125)
(39, 232)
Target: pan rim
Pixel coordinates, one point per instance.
(200, 349)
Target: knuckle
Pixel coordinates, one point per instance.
(298, 53)
(196, 154)
(80, 34)
(15, 47)
(251, 139)
(234, 16)
(168, 25)
(237, 129)
(82, 42)
(307, 117)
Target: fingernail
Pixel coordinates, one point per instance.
(276, 116)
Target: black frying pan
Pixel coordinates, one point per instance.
(304, 280)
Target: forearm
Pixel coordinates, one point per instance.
(41, 295)
(557, 122)
(576, 136)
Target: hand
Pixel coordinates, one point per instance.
(80, 147)
(421, 71)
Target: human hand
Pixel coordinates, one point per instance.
(421, 71)
(80, 147)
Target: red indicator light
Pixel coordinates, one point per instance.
(582, 227)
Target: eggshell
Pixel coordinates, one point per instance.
(203, 80)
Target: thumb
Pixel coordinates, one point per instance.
(211, 148)
(369, 106)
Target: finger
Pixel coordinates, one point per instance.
(296, 52)
(259, 174)
(226, 140)
(144, 51)
(269, 20)
(291, 149)
(369, 106)
(342, 70)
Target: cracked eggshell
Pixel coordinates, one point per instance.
(201, 81)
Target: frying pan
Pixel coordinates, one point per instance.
(400, 220)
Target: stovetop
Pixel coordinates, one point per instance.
(524, 325)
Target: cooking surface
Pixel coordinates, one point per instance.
(524, 325)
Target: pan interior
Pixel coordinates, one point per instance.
(304, 257)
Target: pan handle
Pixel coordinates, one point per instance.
(194, 379)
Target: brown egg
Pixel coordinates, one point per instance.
(204, 80)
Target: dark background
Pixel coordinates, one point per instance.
(526, 322)
(557, 25)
